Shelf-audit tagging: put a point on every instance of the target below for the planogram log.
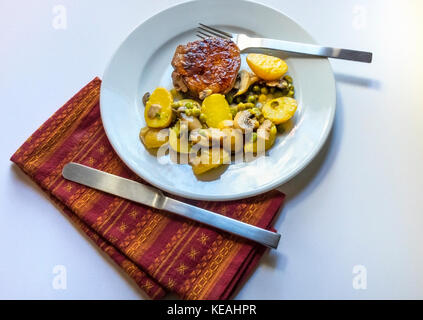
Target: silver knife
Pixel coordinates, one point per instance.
(152, 197)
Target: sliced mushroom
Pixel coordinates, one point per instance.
(204, 94)
(178, 82)
(193, 122)
(143, 132)
(154, 110)
(281, 83)
(145, 98)
(247, 79)
(245, 121)
(181, 109)
(263, 131)
(237, 81)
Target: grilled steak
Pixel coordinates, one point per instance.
(206, 66)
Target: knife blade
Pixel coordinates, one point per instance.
(152, 197)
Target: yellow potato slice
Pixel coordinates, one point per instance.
(178, 143)
(216, 109)
(153, 137)
(210, 159)
(267, 67)
(158, 110)
(280, 110)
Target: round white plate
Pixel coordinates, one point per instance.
(142, 63)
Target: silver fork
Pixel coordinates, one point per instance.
(263, 45)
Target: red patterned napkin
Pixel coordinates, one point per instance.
(160, 251)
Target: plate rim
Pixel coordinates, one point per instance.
(243, 195)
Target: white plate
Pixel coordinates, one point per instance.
(142, 63)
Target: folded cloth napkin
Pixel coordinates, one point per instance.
(160, 251)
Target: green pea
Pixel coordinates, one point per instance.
(238, 99)
(249, 105)
(252, 99)
(288, 78)
(203, 117)
(256, 88)
(188, 112)
(256, 112)
(291, 93)
(264, 90)
(188, 105)
(176, 105)
(254, 136)
(196, 112)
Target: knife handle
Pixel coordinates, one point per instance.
(236, 227)
(263, 45)
(132, 190)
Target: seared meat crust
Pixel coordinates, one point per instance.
(206, 66)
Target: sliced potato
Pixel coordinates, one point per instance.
(178, 141)
(216, 109)
(210, 159)
(280, 110)
(153, 137)
(158, 110)
(267, 67)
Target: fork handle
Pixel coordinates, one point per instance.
(260, 45)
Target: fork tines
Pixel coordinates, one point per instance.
(207, 31)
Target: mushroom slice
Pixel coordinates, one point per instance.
(263, 132)
(193, 122)
(154, 110)
(204, 94)
(247, 79)
(178, 82)
(281, 83)
(145, 98)
(245, 121)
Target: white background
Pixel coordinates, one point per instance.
(358, 203)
